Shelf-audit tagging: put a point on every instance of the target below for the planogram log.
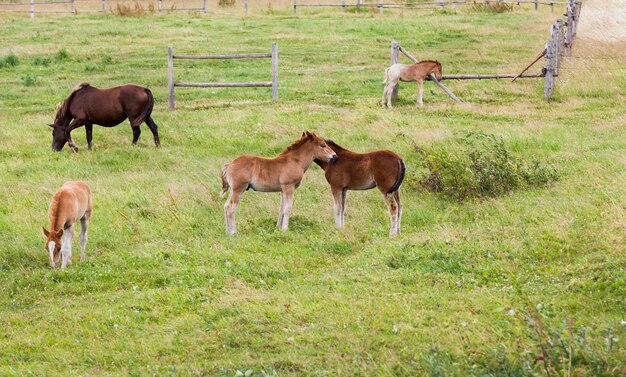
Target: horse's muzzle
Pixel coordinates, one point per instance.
(334, 158)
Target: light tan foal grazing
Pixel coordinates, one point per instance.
(70, 203)
(282, 173)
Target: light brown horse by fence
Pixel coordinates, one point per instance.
(409, 73)
(70, 203)
(282, 173)
(363, 171)
(87, 106)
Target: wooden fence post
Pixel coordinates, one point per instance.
(204, 6)
(381, 6)
(274, 71)
(103, 7)
(160, 5)
(73, 7)
(552, 59)
(395, 47)
(343, 6)
(536, 4)
(170, 77)
(245, 7)
(32, 9)
(295, 5)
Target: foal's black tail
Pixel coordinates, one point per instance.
(146, 111)
(401, 171)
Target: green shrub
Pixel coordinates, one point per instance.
(29, 80)
(482, 167)
(226, 3)
(9, 61)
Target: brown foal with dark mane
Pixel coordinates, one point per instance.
(282, 173)
(363, 171)
(87, 106)
(70, 203)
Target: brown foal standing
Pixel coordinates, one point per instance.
(282, 173)
(410, 73)
(363, 171)
(70, 203)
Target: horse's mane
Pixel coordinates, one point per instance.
(65, 106)
(429, 61)
(335, 146)
(296, 144)
(54, 211)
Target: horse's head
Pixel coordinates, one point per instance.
(53, 245)
(58, 136)
(321, 150)
(438, 70)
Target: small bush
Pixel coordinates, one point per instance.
(137, 10)
(226, 3)
(61, 55)
(10, 60)
(44, 61)
(29, 80)
(483, 167)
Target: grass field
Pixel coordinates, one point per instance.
(528, 283)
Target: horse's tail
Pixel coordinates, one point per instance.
(400, 178)
(146, 110)
(225, 185)
(386, 79)
(64, 108)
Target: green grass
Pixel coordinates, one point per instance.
(165, 291)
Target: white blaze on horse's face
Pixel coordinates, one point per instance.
(51, 248)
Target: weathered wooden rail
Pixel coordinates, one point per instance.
(381, 5)
(172, 84)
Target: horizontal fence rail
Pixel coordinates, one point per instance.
(270, 84)
(91, 6)
(422, 5)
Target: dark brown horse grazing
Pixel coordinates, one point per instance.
(363, 171)
(282, 173)
(87, 106)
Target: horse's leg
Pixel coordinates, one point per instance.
(88, 131)
(393, 211)
(66, 248)
(154, 129)
(396, 196)
(74, 125)
(344, 196)
(229, 210)
(84, 222)
(288, 199)
(390, 89)
(136, 133)
(279, 223)
(420, 92)
(338, 207)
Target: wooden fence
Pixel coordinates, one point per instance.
(172, 84)
(381, 5)
(43, 7)
(560, 42)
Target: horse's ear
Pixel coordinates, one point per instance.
(51, 125)
(60, 233)
(45, 232)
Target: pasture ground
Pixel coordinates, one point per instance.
(529, 283)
